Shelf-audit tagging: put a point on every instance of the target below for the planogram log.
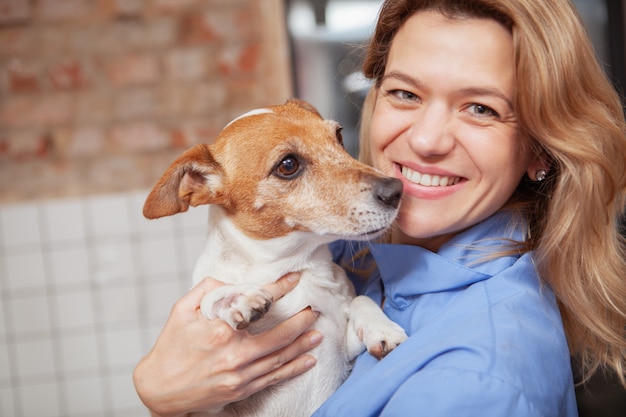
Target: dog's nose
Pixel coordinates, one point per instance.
(388, 191)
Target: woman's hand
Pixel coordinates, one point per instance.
(201, 365)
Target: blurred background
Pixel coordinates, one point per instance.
(97, 97)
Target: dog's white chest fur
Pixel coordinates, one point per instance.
(248, 264)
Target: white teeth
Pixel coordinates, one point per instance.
(428, 180)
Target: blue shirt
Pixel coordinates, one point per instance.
(485, 338)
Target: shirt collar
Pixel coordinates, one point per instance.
(408, 271)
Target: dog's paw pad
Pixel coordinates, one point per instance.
(256, 309)
(240, 307)
(380, 342)
(259, 310)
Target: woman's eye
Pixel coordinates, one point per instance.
(288, 167)
(404, 95)
(482, 110)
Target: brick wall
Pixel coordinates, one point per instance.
(100, 95)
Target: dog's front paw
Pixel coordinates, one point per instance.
(381, 338)
(369, 327)
(237, 305)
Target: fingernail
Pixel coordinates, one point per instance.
(310, 363)
(293, 277)
(315, 338)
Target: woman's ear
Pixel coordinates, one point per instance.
(538, 164)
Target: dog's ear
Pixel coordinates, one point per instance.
(195, 178)
(305, 105)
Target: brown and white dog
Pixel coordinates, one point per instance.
(280, 188)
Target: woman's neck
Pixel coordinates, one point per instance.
(431, 243)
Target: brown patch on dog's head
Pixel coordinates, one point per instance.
(274, 171)
(305, 105)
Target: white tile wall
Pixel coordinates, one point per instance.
(85, 286)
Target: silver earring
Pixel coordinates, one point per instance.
(541, 175)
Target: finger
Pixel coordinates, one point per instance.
(292, 369)
(289, 353)
(285, 284)
(191, 300)
(282, 335)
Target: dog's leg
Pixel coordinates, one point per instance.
(237, 305)
(368, 326)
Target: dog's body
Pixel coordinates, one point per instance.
(276, 201)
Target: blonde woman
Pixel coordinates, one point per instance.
(505, 259)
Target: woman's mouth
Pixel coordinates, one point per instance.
(429, 180)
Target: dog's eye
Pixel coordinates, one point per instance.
(339, 135)
(288, 167)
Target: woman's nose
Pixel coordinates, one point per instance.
(431, 132)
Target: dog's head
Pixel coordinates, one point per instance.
(278, 170)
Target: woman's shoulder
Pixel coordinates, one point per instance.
(515, 334)
(511, 313)
(505, 330)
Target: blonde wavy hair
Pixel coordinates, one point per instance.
(571, 115)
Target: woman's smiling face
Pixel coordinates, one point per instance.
(444, 123)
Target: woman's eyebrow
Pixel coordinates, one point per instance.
(401, 77)
(486, 91)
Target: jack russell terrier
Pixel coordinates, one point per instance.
(280, 188)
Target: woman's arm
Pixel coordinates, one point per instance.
(201, 365)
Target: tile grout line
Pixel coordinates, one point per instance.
(140, 282)
(99, 328)
(11, 344)
(50, 292)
